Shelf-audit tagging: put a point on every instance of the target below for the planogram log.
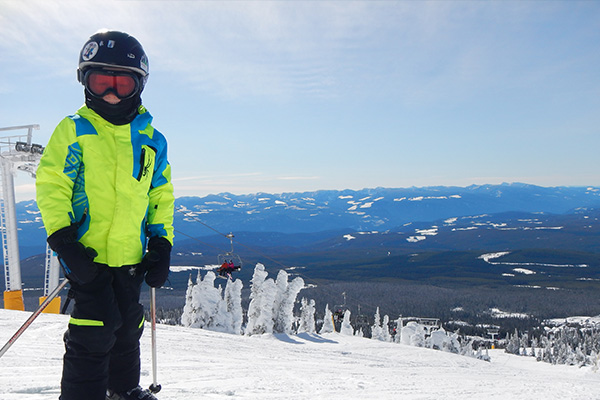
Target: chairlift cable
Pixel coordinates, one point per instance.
(230, 237)
(197, 240)
(206, 225)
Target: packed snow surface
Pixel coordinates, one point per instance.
(195, 364)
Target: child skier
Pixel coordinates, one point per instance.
(105, 194)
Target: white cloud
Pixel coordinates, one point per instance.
(235, 49)
(420, 52)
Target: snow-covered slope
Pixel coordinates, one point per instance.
(195, 364)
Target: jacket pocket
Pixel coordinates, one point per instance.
(146, 163)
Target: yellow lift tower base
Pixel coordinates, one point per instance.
(53, 307)
(13, 300)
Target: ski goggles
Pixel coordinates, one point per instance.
(122, 84)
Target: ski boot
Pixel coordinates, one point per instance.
(137, 393)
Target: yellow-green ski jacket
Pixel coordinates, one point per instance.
(117, 176)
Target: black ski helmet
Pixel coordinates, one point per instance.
(113, 49)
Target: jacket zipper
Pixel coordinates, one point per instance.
(142, 163)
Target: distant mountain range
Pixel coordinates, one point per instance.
(316, 213)
(378, 209)
(433, 234)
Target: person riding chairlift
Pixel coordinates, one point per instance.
(227, 268)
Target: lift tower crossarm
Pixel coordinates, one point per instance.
(13, 128)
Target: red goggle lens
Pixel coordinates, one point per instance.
(100, 83)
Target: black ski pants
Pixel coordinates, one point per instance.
(102, 341)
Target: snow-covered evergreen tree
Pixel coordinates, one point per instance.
(347, 328)
(453, 344)
(272, 302)
(398, 336)
(206, 308)
(187, 317)
(413, 334)
(262, 298)
(524, 343)
(307, 316)
(441, 340)
(481, 355)
(570, 345)
(328, 326)
(376, 330)
(466, 348)
(534, 345)
(283, 307)
(513, 343)
(233, 301)
(385, 329)
(547, 355)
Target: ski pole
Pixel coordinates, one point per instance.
(33, 316)
(155, 387)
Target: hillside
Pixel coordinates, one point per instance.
(561, 250)
(197, 364)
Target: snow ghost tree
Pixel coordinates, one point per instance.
(283, 308)
(440, 340)
(385, 329)
(206, 308)
(513, 343)
(187, 317)
(307, 317)
(262, 297)
(271, 302)
(376, 330)
(399, 325)
(233, 302)
(327, 322)
(347, 328)
(379, 330)
(202, 302)
(413, 334)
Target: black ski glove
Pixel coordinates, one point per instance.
(156, 262)
(76, 260)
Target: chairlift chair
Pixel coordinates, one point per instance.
(229, 257)
(338, 312)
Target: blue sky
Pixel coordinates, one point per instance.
(293, 96)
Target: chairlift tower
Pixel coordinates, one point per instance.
(17, 153)
(493, 332)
